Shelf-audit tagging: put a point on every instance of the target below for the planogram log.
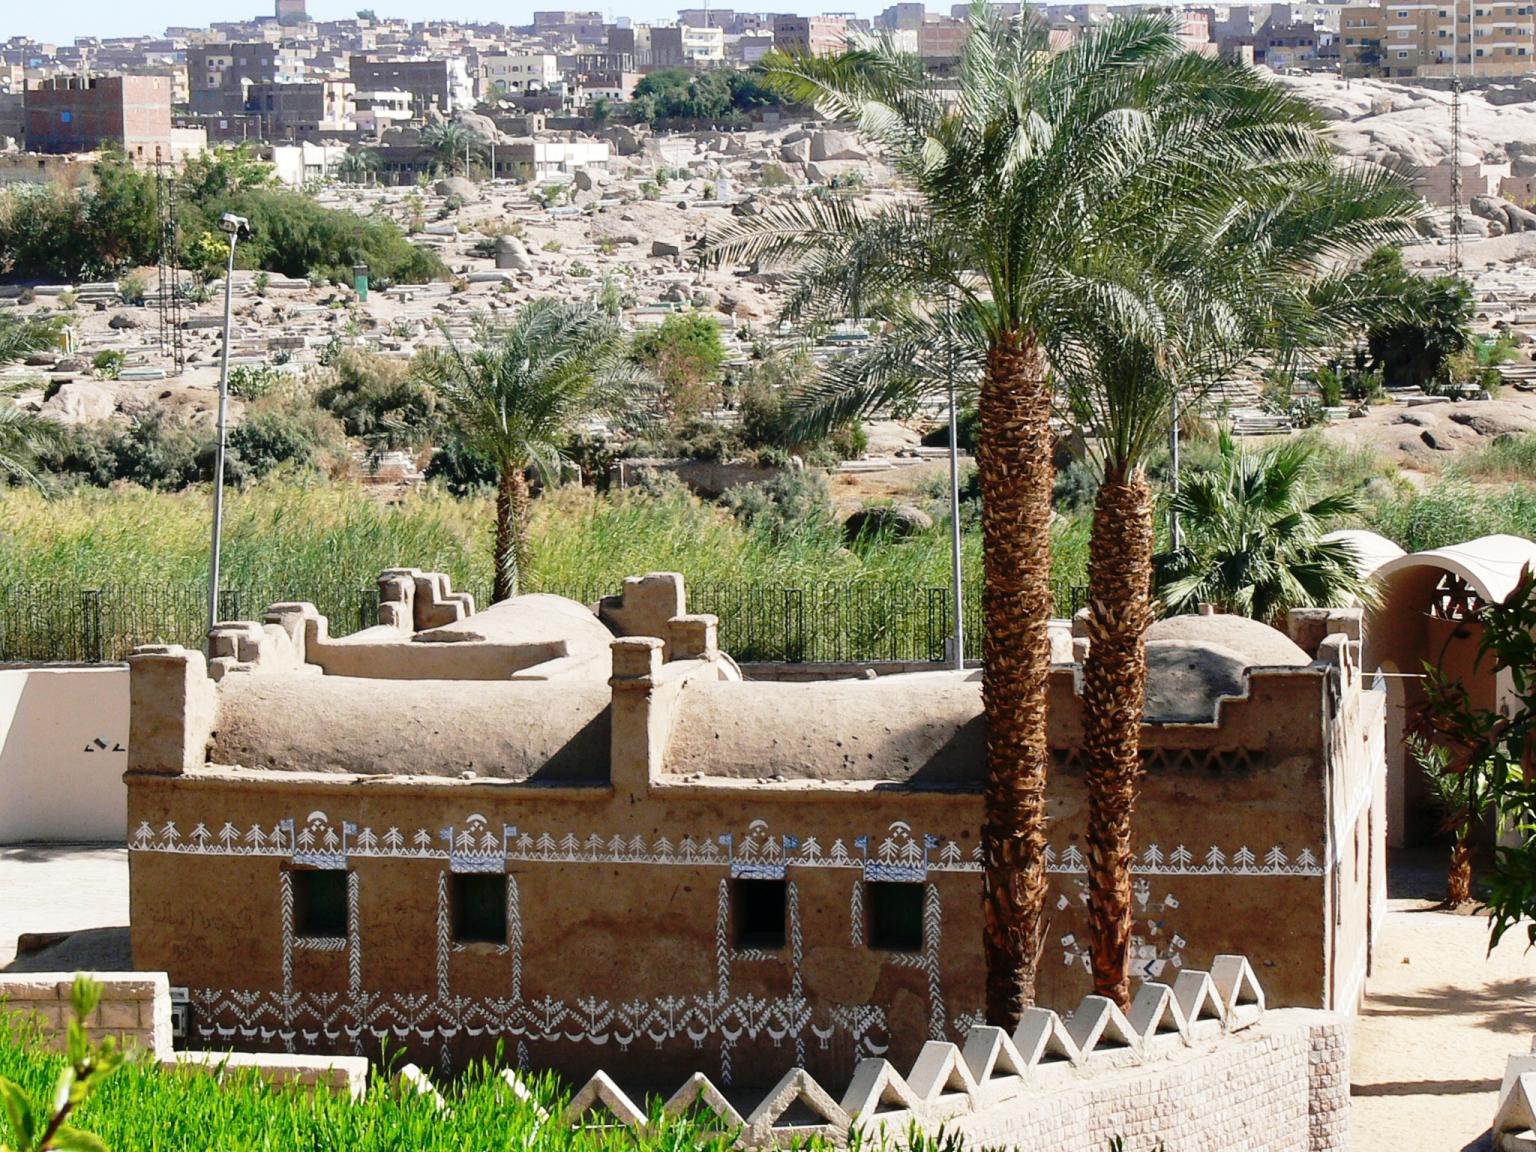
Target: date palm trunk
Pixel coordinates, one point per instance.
(1114, 693)
(511, 532)
(1458, 880)
(1015, 471)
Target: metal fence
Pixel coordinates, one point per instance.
(833, 622)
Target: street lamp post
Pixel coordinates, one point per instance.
(234, 227)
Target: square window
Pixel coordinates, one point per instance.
(895, 913)
(319, 903)
(759, 912)
(479, 906)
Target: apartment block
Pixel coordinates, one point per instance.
(1402, 40)
(83, 114)
(810, 35)
(518, 73)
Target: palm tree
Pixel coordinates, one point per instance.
(518, 394)
(359, 166)
(452, 143)
(1035, 177)
(1254, 537)
(1266, 268)
(23, 433)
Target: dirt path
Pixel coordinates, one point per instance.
(1440, 1018)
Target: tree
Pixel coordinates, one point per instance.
(1035, 177)
(358, 167)
(1496, 750)
(685, 354)
(1415, 349)
(1253, 538)
(600, 112)
(23, 433)
(1256, 267)
(452, 144)
(517, 395)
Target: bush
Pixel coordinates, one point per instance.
(250, 382)
(378, 401)
(273, 437)
(794, 502)
(685, 354)
(461, 469)
(153, 451)
(107, 363)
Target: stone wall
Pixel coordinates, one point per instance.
(135, 1007)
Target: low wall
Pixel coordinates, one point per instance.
(1198, 1065)
(63, 751)
(135, 1007)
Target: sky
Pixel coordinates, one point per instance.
(62, 20)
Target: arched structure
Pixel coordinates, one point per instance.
(1425, 615)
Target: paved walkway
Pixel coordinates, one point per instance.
(1441, 1016)
(1429, 1048)
(58, 888)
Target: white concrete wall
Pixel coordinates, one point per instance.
(63, 751)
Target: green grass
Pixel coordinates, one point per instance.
(142, 1108)
(1454, 511)
(1506, 458)
(324, 542)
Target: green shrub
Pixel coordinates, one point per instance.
(107, 363)
(461, 469)
(795, 502)
(378, 401)
(270, 438)
(252, 382)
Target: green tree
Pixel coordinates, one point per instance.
(1036, 177)
(1414, 350)
(1253, 537)
(1252, 269)
(1495, 750)
(23, 433)
(517, 395)
(358, 166)
(453, 144)
(685, 354)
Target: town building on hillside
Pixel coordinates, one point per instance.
(84, 114)
(1404, 40)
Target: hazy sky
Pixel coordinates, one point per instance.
(61, 21)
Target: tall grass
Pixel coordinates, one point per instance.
(1511, 458)
(290, 538)
(1454, 511)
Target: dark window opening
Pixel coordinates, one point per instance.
(320, 903)
(479, 906)
(759, 913)
(895, 916)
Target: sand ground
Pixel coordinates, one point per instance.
(1440, 1018)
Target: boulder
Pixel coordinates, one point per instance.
(464, 189)
(666, 246)
(590, 179)
(511, 255)
(797, 153)
(898, 520)
(829, 145)
(80, 402)
(483, 128)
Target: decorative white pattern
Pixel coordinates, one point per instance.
(899, 855)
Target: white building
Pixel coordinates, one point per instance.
(524, 72)
(702, 45)
(374, 112)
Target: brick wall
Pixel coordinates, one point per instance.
(135, 1006)
(1282, 1086)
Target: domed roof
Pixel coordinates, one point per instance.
(1186, 678)
(1259, 645)
(1372, 548)
(1490, 564)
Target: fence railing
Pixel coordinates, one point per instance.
(814, 623)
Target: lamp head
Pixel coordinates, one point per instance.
(233, 225)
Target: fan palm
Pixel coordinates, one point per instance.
(1034, 178)
(1254, 537)
(517, 395)
(1247, 272)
